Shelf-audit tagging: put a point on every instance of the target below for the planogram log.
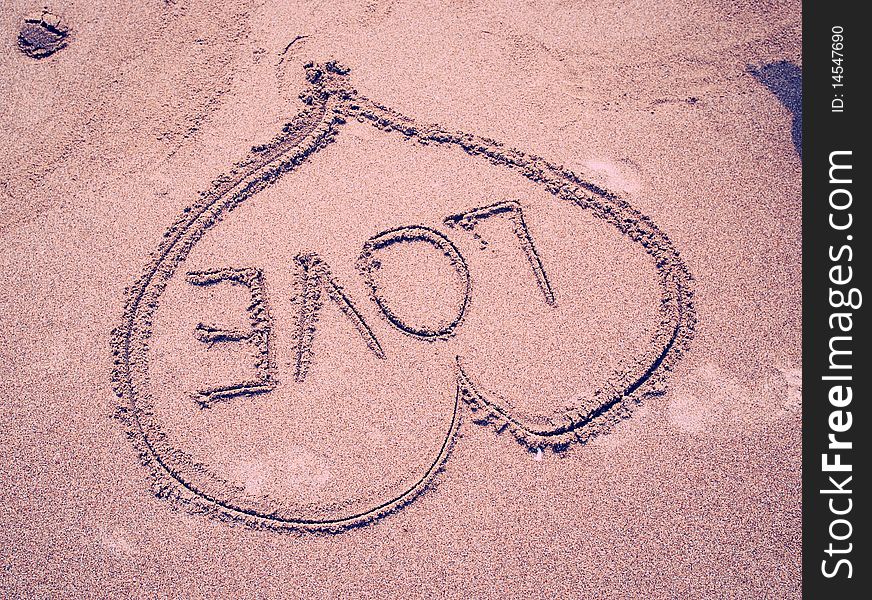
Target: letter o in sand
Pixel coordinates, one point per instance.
(410, 252)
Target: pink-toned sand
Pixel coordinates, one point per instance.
(269, 331)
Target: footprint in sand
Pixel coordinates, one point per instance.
(622, 176)
(710, 400)
(291, 471)
(117, 541)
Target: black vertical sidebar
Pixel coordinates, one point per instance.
(836, 367)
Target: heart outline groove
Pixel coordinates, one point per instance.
(330, 103)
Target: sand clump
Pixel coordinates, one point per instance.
(42, 35)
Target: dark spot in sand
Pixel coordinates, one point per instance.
(784, 79)
(42, 35)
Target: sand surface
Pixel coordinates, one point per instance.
(392, 300)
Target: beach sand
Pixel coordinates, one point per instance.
(392, 300)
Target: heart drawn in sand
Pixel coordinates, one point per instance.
(300, 350)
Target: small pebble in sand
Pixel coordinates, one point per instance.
(42, 34)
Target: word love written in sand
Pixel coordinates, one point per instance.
(338, 325)
(315, 283)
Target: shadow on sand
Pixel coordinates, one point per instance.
(784, 79)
